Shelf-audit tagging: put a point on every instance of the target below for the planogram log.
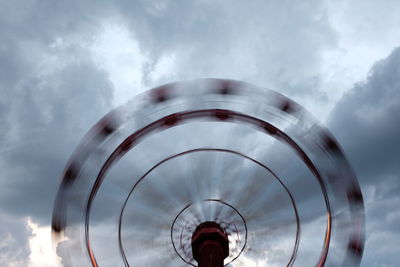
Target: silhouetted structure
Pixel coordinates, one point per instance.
(210, 245)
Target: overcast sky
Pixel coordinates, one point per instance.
(64, 64)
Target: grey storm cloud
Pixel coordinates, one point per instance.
(366, 122)
(48, 81)
(45, 124)
(50, 91)
(50, 117)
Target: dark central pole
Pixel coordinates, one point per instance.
(210, 245)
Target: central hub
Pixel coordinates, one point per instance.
(210, 245)
(219, 215)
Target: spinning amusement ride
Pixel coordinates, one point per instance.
(209, 173)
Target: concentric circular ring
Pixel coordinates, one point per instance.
(295, 247)
(222, 101)
(181, 247)
(183, 117)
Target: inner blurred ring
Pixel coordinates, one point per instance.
(237, 231)
(295, 248)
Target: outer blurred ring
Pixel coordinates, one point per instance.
(106, 126)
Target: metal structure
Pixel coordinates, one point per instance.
(209, 173)
(210, 245)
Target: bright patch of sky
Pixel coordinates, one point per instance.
(363, 39)
(117, 52)
(42, 252)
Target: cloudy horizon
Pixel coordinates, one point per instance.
(65, 64)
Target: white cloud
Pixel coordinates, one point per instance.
(42, 252)
(116, 51)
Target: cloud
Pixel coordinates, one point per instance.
(382, 235)
(46, 119)
(49, 80)
(366, 122)
(278, 44)
(14, 237)
(51, 92)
